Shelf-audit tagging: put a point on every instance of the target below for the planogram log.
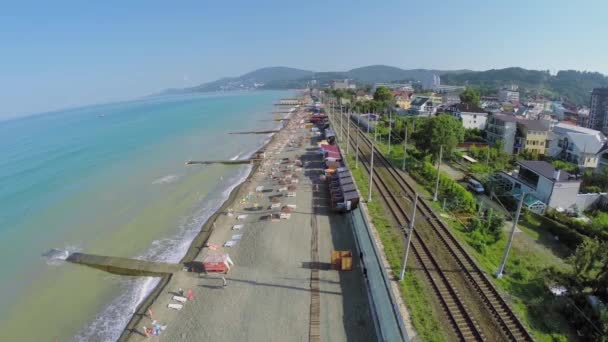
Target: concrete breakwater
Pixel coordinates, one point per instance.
(255, 132)
(226, 162)
(124, 266)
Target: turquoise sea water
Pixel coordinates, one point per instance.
(110, 179)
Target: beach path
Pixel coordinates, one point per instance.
(281, 266)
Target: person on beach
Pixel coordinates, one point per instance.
(224, 282)
(180, 291)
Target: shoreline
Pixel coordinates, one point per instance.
(194, 249)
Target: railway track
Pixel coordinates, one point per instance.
(462, 323)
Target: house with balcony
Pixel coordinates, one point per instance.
(542, 185)
(578, 145)
(502, 127)
(531, 136)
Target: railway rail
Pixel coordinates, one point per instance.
(463, 325)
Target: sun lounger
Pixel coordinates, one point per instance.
(237, 227)
(180, 299)
(275, 205)
(291, 194)
(292, 206)
(241, 217)
(175, 306)
(237, 236)
(230, 243)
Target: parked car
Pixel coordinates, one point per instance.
(475, 186)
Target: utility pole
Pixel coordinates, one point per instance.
(404, 149)
(488, 156)
(357, 145)
(341, 119)
(390, 126)
(438, 173)
(348, 130)
(409, 238)
(499, 273)
(371, 168)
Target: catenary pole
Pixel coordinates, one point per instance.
(501, 269)
(404, 149)
(390, 126)
(348, 130)
(357, 145)
(371, 168)
(438, 173)
(409, 238)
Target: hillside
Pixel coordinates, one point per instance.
(289, 78)
(571, 85)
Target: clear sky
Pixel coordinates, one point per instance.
(57, 54)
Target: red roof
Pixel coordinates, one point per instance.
(330, 148)
(334, 155)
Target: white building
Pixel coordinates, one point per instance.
(578, 145)
(471, 116)
(542, 184)
(510, 94)
(432, 83)
(423, 106)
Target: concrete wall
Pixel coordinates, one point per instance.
(585, 201)
(544, 189)
(564, 194)
(470, 120)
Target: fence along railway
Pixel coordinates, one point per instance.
(462, 323)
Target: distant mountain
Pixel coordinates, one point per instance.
(250, 80)
(289, 78)
(573, 86)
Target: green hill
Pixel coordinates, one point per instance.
(571, 85)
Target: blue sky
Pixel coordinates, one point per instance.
(58, 54)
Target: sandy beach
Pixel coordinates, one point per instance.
(269, 292)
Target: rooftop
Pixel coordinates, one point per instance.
(535, 125)
(600, 91)
(467, 108)
(546, 170)
(419, 101)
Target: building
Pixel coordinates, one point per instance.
(578, 145)
(432, 82)
(509, 94)
(403, 98)
(517, 135)
(598, 111)
(342, 84)
(541, 183)
(502, 127)
(531, 136)
(423, 106)
(394, 86)
(471, 116)
(450, 98)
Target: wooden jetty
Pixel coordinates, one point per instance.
(124, 266)
(256, 132)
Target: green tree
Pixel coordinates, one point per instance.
(470, 96)
(441, 130)
(600, 222)
(383, 94)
